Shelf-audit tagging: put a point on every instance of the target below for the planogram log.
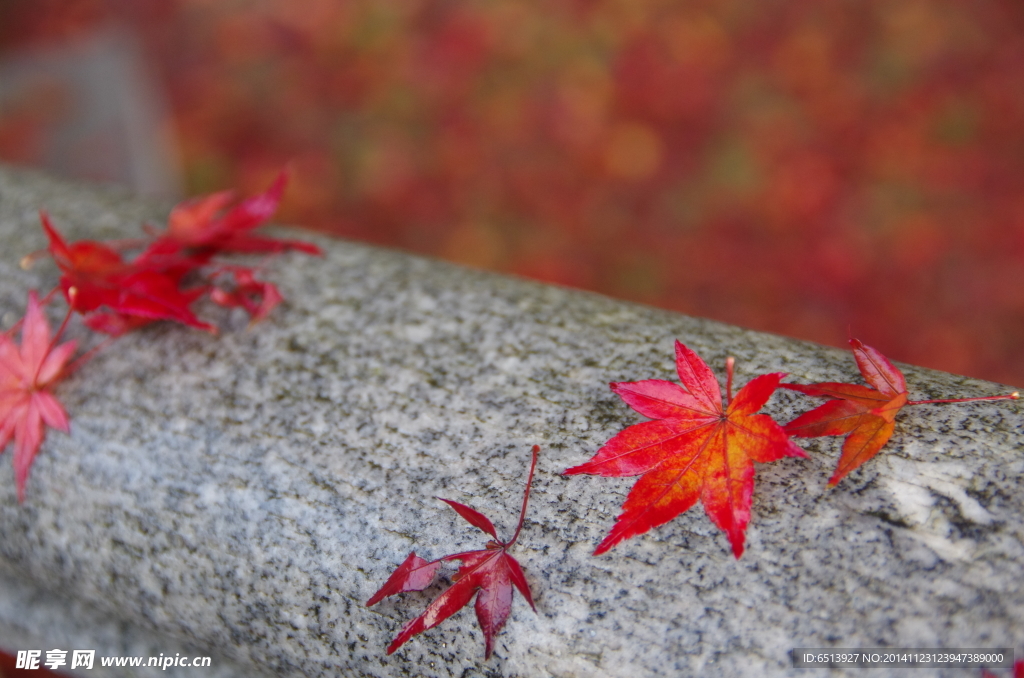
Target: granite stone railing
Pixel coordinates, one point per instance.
(242, 496)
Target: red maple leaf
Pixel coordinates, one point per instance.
(693, 450)
(1018, 670)
(26, 375)
(866, 415)
(491, 571)
(94, 275)
(258, 297)
(203, 223)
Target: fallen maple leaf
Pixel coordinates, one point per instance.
(491, 571)
(1018, 670)
(258, 297)
(694, 450)
(94, 276)
(203, 223)
(866, 415)
(26, 375)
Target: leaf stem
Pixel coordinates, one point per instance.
(53, 344)
(60, 330)
(85, 357)
(730, 362)
(1009, 396)
(42, 302)
(31, 258)
(49, 295)
(526, 498)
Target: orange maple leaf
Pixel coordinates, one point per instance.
(26, 374)
(866, 415)
(694, 450)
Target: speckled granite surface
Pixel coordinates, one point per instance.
(34, 619)
(247, 493)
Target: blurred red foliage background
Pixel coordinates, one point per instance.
(800, 167)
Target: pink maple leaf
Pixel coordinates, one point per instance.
(26, 375)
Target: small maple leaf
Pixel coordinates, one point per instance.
(94, 275)
(693, 450)
(258, 297)
(1018, 670)
(491, 571)
(205, 223)
(866, 415)
(26, 375)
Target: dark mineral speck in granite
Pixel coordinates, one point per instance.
(245, 494)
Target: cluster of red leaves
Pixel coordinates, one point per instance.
(780, 166)
(160, 283)
(491, 571)
(696, 450)
(174, 269)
